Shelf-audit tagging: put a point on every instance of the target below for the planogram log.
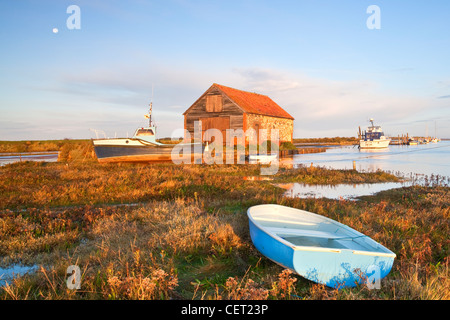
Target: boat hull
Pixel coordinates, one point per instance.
(279, 252)
(131, 154)
(374, 144)
(340, 268)
(119, 150)
(333, 267)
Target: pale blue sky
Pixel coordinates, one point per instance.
(317, 59)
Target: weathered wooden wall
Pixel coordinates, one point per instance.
(207, 108)
(232, 113)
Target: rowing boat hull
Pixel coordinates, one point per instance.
(335, 267)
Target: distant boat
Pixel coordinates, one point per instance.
(317, 248)
(373, 138)
(435, 139)
(412, 142)
(142, 147)
(263, 158)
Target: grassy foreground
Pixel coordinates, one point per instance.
(162, 231)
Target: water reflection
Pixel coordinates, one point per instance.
(18, 157)
(340, 191)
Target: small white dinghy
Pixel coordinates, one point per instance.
(317, 248)
(263, 158)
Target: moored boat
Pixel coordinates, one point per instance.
(317, 248)
(142, 147)
(263, 158)
(373, 138)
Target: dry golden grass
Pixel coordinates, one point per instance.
(180, 232)
(129, 253)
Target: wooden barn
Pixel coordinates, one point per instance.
(222, 108)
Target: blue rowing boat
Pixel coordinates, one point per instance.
(318, 248)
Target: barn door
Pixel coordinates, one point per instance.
(219, 123)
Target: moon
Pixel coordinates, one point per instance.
(55, 30)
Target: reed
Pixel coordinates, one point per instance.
(42, 145)
(164, 231)
(330, 141)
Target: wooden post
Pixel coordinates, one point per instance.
(354, 165)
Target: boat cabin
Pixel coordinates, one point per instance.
(145, 132)
(373, 133)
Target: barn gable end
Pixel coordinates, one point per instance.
(222, 108)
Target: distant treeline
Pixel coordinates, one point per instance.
(335, 140)
(53, 145)
(82, 149)
(57, 145)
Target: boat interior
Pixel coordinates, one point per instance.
(334, 239)
(302, 228)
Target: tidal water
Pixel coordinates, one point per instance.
(424, 159)
(18, 157)
(17, 270)
(340, 191)
(426, 164)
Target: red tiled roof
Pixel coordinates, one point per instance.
(254, 103)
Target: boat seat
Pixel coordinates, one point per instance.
(304, 233)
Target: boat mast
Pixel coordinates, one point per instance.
(149, 115)
(435, 134)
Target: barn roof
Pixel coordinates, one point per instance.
(254, 103)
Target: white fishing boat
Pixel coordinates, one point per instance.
(141, 147)
(373, 138)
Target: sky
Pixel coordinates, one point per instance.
(93, 72)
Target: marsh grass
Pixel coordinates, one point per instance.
(163, 231)
(43, 145)
(330, 141)
(319, 175)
